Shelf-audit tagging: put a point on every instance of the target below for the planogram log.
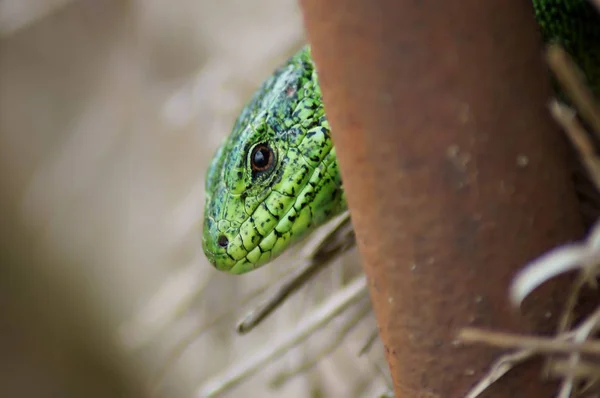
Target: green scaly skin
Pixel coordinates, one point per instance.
(261, 214)
(251, 217)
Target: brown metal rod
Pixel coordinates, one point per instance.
(454, 172)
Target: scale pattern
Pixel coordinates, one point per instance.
(251, 217)
(260, 214)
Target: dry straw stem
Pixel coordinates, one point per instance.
(336, 340)
(173, 299)
(548, 345)
(563, 351)
(180, 347)
(573, 83)
(369, 343)
(331, 241)
(582, 334)
(581, 256)
(336, 239)
(532, 346)
(308, 325)
(567, 118)
(584, 370)
(499, 369)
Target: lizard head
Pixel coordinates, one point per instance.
(275, 178)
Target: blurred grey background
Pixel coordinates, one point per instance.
(110, 111)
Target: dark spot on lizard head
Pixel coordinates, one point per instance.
(251, 187)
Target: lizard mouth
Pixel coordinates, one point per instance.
(251, 244)
(285, 215)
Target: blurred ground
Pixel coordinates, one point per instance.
(109, 113)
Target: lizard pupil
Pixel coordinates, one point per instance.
(261, 158)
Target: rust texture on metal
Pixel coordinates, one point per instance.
(454, 172)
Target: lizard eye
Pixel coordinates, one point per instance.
(262, 158)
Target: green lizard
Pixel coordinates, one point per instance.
(276, 178)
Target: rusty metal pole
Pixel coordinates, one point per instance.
(454, 172)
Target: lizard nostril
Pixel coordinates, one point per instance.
(222, 241)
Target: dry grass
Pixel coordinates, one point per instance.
(109, 113)
(573, 354)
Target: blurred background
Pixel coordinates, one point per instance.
(110, 111)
